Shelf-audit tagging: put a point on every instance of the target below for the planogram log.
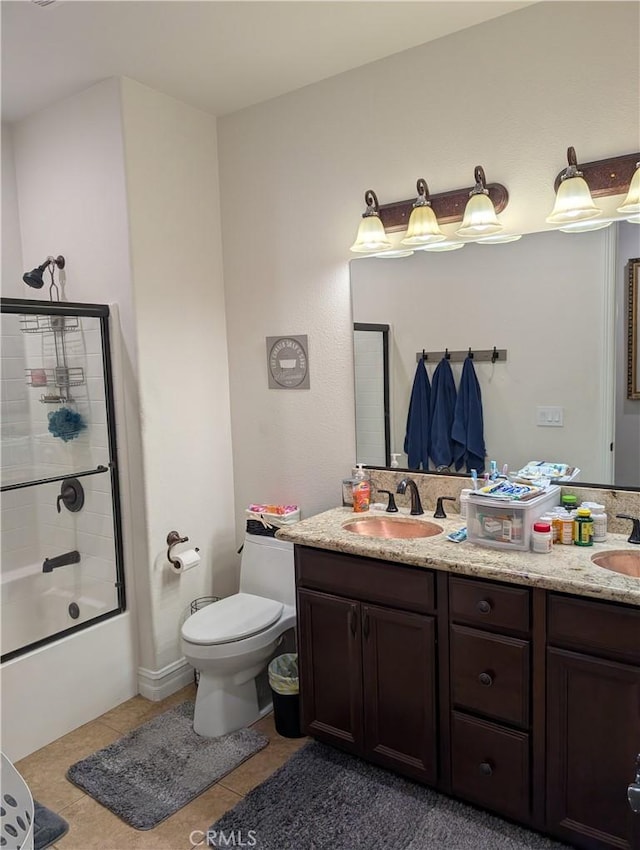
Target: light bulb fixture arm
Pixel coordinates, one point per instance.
(371, 200)
(423, 194)
(481, 182)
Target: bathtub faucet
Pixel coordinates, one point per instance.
(51, 564)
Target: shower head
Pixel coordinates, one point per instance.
(34, 277)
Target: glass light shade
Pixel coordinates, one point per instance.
(573, 202)
(585, 226)
(479, 217)
(634, 219)
(448, 245)
(423, 227)
(394, 253)
(371, 236)
(499, 238)
(631, 204)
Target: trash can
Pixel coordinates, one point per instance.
(285, 689)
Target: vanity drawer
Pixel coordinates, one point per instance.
(489, 605)
(599, 627)
(393, 585)
(490, 765)
(490, 674)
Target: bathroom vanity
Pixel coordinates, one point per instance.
(510, 680)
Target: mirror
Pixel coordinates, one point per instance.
(556, 303)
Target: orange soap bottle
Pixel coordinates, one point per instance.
(361, 491)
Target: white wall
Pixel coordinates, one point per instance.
(510, 94)
(172, 185)
(11, 248)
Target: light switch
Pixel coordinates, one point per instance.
(550, 417)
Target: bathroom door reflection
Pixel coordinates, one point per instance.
(371, 370)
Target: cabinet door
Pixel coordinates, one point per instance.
(399, 690)
(593, 735)
(330, 663)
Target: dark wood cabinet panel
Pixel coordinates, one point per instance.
(490, 674)
(330, 664)
(593, 736)
(601, 628)
(400, 690)
(365, 579)
(490, 765)
(489, 605)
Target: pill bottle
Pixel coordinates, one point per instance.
(541, 537)
(599, 521)
(464, 501)
(583, 528)
(569, 502)
(566, 529)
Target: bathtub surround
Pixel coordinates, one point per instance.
(369, 807)
(153, 771)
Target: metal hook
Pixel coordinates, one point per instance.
(425, 356)
(496, 355)
(470, 354)
(447, 356)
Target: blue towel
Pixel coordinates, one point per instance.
(443, 403)
(416, 441)
(468, 427)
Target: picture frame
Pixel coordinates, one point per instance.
(633, 329)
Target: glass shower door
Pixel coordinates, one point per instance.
(61, 567)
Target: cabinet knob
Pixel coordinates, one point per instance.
(486, 768)
(484, 606)
(485, 679)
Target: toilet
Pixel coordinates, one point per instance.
(231, 641)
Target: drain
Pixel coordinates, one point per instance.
(74, 611)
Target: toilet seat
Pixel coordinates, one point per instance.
(232, 619)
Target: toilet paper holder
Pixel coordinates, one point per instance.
(173, 538)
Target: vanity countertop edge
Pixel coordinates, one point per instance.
(567, 569)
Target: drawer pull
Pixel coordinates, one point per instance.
(484, 606)
(485, 679)
(486, 768)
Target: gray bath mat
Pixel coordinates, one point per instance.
(159, 767)
(322, 799)
(48, 827)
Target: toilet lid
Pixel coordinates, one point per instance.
(236, 617)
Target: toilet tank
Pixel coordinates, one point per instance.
(267, 568)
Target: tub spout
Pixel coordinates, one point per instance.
(50, 564)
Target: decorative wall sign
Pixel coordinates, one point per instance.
(288, 362)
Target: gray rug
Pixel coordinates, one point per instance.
(322, 799)
(159, 767)
(48, 827)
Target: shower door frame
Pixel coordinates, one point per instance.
(99, 311)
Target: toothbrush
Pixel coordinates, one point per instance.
(474, 478)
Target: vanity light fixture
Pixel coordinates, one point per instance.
(573, 197)
(371, 238)
(423, 225)
(480, 217)
(630, 207)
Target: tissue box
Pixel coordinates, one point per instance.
(506, 524)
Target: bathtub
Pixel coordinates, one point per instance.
(52, 689)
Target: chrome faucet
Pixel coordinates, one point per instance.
(416, 504)
(634, 537)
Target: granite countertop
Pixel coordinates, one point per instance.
(567, 568)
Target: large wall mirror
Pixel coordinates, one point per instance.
(557, 303)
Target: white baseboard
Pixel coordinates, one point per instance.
(159, 684)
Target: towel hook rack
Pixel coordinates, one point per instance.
(470, 353)
(485, 355)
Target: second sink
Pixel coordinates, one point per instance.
(622, 561)
(392, 527)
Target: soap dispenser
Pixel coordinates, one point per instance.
(361, 490)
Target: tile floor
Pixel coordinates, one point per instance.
(92, 827)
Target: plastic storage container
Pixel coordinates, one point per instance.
(503, 524)
(285, 689)
(16, 823)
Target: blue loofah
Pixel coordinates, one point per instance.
(66, 424)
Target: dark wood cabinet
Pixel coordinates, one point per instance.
(593, 725)
(368, 672)
(517, 699)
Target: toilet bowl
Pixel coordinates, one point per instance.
(231, 641)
